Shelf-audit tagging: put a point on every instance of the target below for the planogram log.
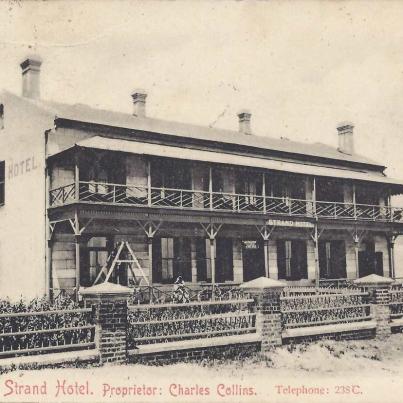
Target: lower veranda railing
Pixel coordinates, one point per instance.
(396, 304)
(160, 294)
(337, 284)
(324, 309)
(26, 333)
(138, 195)
(150, 324)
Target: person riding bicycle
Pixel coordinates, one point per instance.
(181, 294)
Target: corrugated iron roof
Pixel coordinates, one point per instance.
(87, 114)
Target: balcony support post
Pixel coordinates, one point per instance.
(149, 183)
(212, 231)
(391, 243)
(357, 237)
(212, 263)
(150, 259)
(314, 197)
(77, 175)
(48, 234)
(354, 203)
(265, 231)
(210, 187)
(150, 228)
(316, 242)
(77, 239)
(264, 192)
(315, 235)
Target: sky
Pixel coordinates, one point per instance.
(299, 67)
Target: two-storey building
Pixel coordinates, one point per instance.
(208, 204)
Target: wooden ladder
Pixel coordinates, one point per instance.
(137, 273)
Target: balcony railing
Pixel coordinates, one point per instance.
(138, 195)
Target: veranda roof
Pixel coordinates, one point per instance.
(142, 148)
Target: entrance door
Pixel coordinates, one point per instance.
(292, 260)
(369, 261)
(224, 260)
(332, 259)
(253, 259)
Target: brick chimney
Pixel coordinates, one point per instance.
(139, 102)
(346, 140)
(244, 117)
(31, 67)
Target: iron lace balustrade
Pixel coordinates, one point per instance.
(26, 333)
(141, 195)
(164, 323)
(324, 309)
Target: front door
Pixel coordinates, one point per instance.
(253, 259)
(224, 260)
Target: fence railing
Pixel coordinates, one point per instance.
(295, 291)
(315, 310)
(26, 333)
(337, 283)
(396, 304)
(157, 294)
(162, 323)
(139, 195)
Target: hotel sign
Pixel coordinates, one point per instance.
(293, 224)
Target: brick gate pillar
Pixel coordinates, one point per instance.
(109, 304)
(378, 289)
(266, 293)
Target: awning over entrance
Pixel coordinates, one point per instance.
(134, 147)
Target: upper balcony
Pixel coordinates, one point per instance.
(159, 197)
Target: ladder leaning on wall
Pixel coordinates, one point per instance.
(114, 261)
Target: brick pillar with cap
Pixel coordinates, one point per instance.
(378, 289)
(266, 293)
(109, 304)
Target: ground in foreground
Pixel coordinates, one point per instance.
(326, 371)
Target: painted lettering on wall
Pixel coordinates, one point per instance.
(21, 167)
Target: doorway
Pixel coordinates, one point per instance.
(253, 259)
(224, 260)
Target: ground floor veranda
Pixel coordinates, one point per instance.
(218, 251)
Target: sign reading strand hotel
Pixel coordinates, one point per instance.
(287, 223)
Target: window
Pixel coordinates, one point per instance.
(171, 258)
(94, 256)
(2, 182)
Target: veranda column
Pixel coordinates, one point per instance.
(48, 277)
(77, 176)
(266, 293)
(212, 260)
(150, 259)
(77, 240)
(357, 264)
(109, 304)
(266, 257)
(391, 243)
